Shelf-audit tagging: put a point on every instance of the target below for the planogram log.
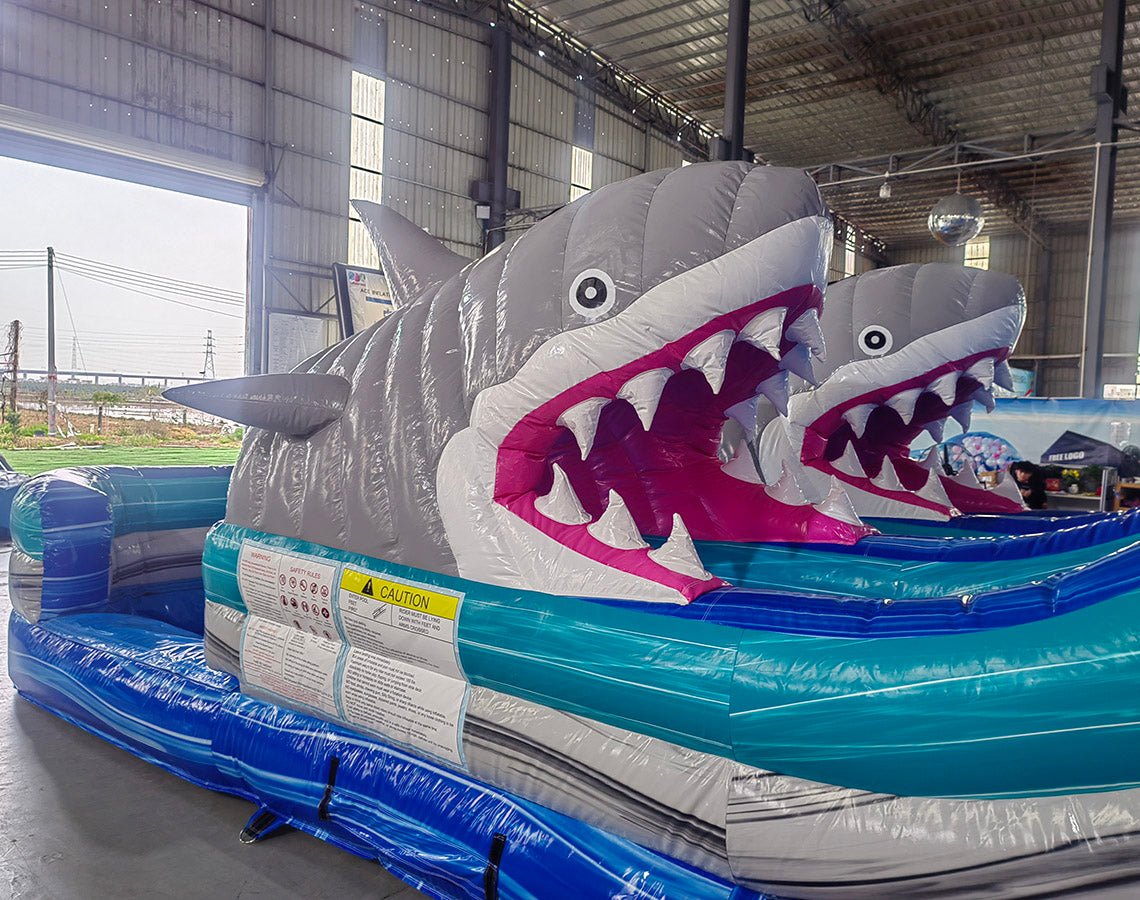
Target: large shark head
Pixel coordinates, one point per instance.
(908, 347)
(531, 418)
(641, 317)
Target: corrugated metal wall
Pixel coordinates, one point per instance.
(1064, 327)
(542, 131)
(543, 105)
(435, 120)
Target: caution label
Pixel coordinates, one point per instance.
(407, 595)
(408, 621)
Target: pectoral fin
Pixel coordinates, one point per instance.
(295, 404)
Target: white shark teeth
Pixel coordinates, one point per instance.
(709, 357)
(561, 504)
(731, 437)
(857, 417)
(765, 330)
(616, 528)
(1007, 488)
(744, 414)
(936, 429)
(786, 490)
(985, 398)
(582, 420)
(742, 466)
(643, 393)
(888, 478)
(983, 371)
(805, 330)
(946, 387)
(798, 362)
(1003, 377)
(962, 413)
(678, 553)
(849, 463)
(966, 477)
(932, 460)
(933, 489)
(837, 505)
(903, 403)
(775, 389)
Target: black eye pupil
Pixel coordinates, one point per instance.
(591, 293)
(875, 340)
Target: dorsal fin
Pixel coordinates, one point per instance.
(295, 404)
(414, 262)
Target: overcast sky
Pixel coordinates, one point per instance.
(159, 232)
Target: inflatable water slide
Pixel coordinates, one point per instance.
(600, 568)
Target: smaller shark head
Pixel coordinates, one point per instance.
(908, 347)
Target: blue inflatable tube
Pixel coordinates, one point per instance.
(143, 685)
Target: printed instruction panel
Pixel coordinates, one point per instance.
(290, 663)
(293, 588)
(369, 650)
(410, 622)
(416, 707)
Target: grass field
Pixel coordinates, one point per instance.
(34, 461)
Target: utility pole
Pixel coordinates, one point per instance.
(13, 354)
(208, 366)
(52, 375)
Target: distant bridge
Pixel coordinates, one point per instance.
(117, 377)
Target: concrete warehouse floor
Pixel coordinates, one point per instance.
(80, 818)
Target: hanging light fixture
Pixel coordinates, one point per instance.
(956, 218)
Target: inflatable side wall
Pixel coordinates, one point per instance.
(132, 670)
(583, 807)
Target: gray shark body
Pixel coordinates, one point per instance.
(525, 419)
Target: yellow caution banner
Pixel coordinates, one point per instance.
(400, 593)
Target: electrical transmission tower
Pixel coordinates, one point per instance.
(11, 370)
(208, 366)
(75, 353)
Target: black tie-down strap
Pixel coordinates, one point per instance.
(330, 783)
(491, 873)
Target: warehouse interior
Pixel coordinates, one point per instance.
(294, 108)
(477, 119)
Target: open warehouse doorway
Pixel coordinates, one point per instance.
(148, 285)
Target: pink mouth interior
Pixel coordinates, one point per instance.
(887, 436)
(671, 468)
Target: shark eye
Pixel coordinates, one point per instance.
(875, 340)
(592, 293)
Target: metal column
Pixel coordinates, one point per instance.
(731, 144)
(1108, 90)
(498, 152)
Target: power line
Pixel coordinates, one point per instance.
(216, 312)
(149, 279)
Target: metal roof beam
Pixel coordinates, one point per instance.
(855, 39)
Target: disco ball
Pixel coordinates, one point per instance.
(956, 219)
